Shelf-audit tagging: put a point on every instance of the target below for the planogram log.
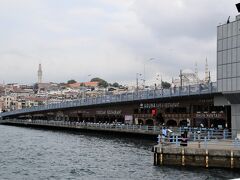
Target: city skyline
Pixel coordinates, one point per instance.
(111, 40)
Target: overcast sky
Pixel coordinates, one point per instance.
(111, 39)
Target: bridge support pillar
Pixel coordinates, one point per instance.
(235, 113)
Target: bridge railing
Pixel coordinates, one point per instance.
(194, 134)
(199, 143)
(128, 96)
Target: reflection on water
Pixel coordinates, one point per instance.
(40, 154)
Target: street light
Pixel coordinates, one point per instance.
(89, 75)
(144, 68)
(137, 76)
(157, 80)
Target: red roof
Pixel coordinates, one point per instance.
(78, 84)
(92, 84)
(74, 85)
(36, 99)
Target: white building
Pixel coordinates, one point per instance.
(188, 77)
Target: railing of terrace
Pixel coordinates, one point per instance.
(194, 134)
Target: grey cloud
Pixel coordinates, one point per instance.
(110, 39)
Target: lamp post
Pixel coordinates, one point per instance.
(159, 79)
(144, 70)
(137, 76)
(89, 76)
(181, 79)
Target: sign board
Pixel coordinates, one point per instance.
(109, 112)
(210, 115)
(128, 119)
(158, 105)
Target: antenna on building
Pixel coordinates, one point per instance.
(228, 21)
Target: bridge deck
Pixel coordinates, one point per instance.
(192, 90)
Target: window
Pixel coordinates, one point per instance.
(238, 41)
(238, 83)
(230, 26)
(220, 73)
(234, 41)
(235, 28)
(219, 85)
(225, 43)
(229, 70)
(224, 71)
(238, 29)
(225, 31)
(234, 69)
(229, 43)
(229, 82)
(234, 84)
(220, 33)
(220, 46)
(229, 56)
(220, 57)
(225, 57)
(234, 55)
(238, 54)
(238, 67)
(224, 84)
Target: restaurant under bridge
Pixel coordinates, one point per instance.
(186, 106)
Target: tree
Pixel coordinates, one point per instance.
(115, 84)
(72, 81)
(35, 88)
(82, 85)
(166, 85)
(101, 82)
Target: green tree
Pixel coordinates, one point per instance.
(101, 82)
(115, 84)
(72, 81)
(35, 88)
(82, 85)
(166, 85)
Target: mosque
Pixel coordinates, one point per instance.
(188, 77)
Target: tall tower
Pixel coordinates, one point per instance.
(196, 73)
(40, 73)
(206, 72)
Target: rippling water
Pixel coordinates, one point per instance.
(40, 154)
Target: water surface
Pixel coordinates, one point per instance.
(43, 154)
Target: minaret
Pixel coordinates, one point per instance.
(206, 72)
(196, 72)
(40, 73)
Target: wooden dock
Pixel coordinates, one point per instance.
(220, 154)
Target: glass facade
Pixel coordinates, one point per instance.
(228, 57)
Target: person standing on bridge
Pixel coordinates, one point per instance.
(164, 133)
